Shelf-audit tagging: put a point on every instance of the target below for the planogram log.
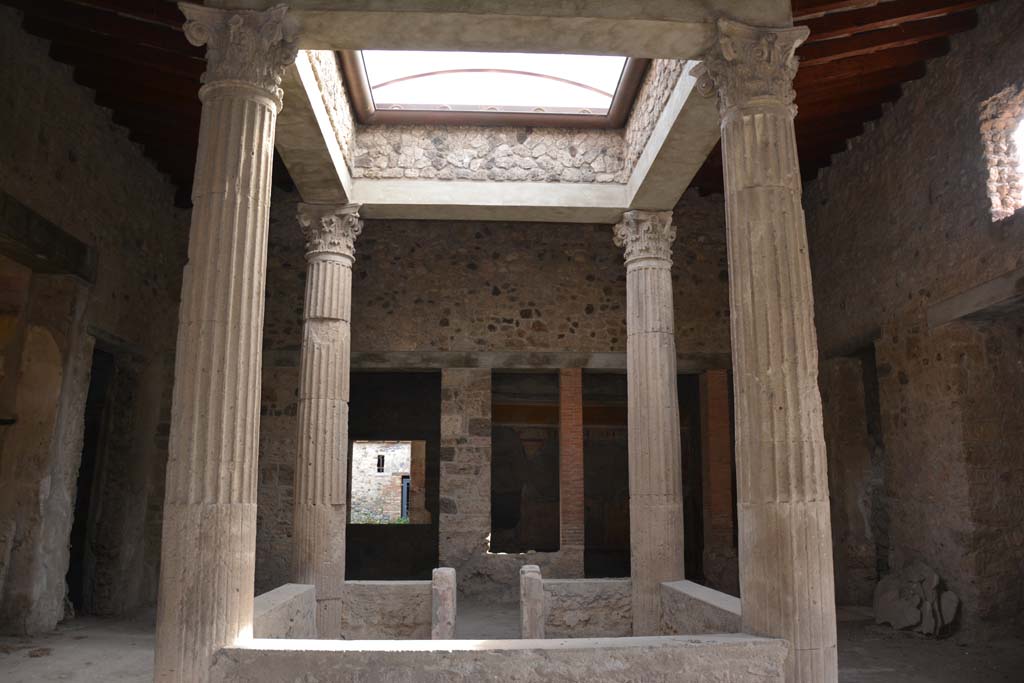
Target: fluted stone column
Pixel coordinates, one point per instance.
(655, 457)
(209, 528)
(321, 473)
(785, 541)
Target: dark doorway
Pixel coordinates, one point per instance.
(95, 429)
(397, 406)
(524, 462)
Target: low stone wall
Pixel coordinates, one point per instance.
(688, 608)
(694, 659)
(375, 610)
(288, 611)
(587, 608)
(496, 575)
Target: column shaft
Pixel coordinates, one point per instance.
(321, 472)
(785, 540)
(209, 532)
(655, 454)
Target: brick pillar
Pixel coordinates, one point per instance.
(720, 565)
(570, 467)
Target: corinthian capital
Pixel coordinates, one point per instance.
(244, 46)
(646, 234)
(750, 64)
(330, 229)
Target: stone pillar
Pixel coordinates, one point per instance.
(570, 469)
(209, 525)
(655, 453)
(720, 568)
(531, 602)
(443, 604)
(321, 471)
(464, 522)
(785, 541)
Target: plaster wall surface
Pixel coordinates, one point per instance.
(375, 610)
(588, 608)
(288, 611)
(851, 482)
(738, 659)
(950, 404)
(63, 158)
(689, 608)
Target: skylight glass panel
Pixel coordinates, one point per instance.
(486, 81)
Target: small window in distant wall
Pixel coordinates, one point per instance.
(1002, 130)
(388, 483)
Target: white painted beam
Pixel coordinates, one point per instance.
(490, 200)
(686, 132)
(306, 139)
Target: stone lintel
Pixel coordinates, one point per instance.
(510, 360)
(991, 299)
(38, 244)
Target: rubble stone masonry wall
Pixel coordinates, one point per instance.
(903, 218)
(465, 286)
(902, 221)
(63, 158)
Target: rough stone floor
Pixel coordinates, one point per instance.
(107, 650)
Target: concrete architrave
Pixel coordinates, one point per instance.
(678, 29)
(785, 539)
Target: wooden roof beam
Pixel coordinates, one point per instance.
(854, 67)
(872, 42)
(885, 15)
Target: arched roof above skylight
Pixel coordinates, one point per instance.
(480, 81)
(485, 87)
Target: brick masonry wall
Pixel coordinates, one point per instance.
(376, 497)
(570, 457)
(63, 158)
(721, 567)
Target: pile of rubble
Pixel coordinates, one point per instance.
(911, 599)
